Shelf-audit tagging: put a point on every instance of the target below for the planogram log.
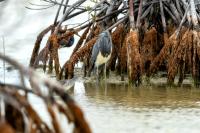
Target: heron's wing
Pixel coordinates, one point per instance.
(95, 51)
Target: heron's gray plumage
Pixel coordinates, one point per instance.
(95, 51)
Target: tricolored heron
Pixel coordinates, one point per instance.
(101, 52)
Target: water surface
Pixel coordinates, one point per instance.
(120, 108)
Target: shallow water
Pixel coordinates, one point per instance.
(147, 109)
(111, 109)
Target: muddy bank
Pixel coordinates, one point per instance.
(159, 79)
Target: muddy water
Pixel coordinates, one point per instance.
(111, 109)
(119, 108)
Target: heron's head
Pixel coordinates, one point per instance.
(67, 43)
(105, 43)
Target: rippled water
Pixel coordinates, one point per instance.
(111, 109)
(147, 109)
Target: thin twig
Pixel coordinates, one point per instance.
(57, 14)
(4, 65)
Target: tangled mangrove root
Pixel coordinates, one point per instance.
(134, 62)
(148, 47)
(18, 114)
(195, 58)
(80, 41)
(167, 34)
(178, 57)
(162, 56)
(117, 40)
(122, 61)
(68, 67)
(37, 45)
(184, 56)
(50, 51)
(6, 128)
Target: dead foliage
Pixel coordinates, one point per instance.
(20, 116)
(148, 48)
(162, 55)
(134, 62)
(50, 52)
(195, 58)
(37, 44)
(6, 128)
(178, 56)
(68, 67)
(117, 40)
(81, 40)
(122, 62)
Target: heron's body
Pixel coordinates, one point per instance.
(101, 59)
(101, 51)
